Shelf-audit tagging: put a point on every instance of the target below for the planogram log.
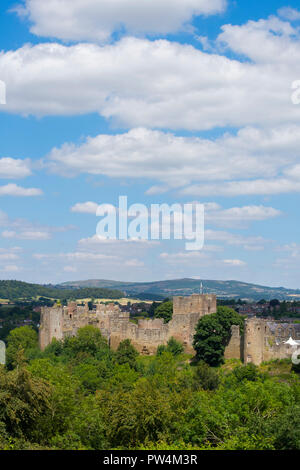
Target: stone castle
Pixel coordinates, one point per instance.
(263, 340)
(115, 325)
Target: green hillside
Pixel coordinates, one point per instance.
(223, 289)
(15, 290)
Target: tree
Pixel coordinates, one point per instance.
(25, 338)
(286, 429)
(213, 333)
(165, 311)
(248, 372)
(174, 347)
(206, 377)
(88, 340)
(126, 353)
(24, 402)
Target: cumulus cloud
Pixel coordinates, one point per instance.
(234, 262)
(26, 235)
(76, 256)
(239, 216)
(128, 248)
(12, 168)
(15, 190)
(23, 229)
(12, 268)
(199, 260)
(289, 13)
(98, 19)
(143, 153)
(162, 84)
(85, 207)
(8, 256)
(244, 187)
(249, 243)
(70, 269)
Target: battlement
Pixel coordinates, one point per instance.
(263, 339)
(195, 303)
(115, 325)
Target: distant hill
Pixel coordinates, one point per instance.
(163, 289)
(15, 290)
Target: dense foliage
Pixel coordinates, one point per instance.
(164, 311)
(13, 290)
(79, 394)
(213, 333)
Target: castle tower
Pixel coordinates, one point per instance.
(254, 340)
(186, 313)
(202, 304)
(51, 325)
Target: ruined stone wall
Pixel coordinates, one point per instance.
(265, 340)
(116, 326)
(234, 349)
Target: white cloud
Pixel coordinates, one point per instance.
(26, 235)
(15, 190)
(249, 243)
(98, 19)
(23, 229)
(129, 247)
(267, 41)
(160, 83)
(85, 207)
(244, 187)
(11, 268)
(70, 269)
(143, 153)
(199, 260)
(14, 168)
(134, 263)
(76, 256)
(289, 13)
(185, 257)
(8, 256)
(239, 216)
(234, 262)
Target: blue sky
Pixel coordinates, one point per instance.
(185, 101)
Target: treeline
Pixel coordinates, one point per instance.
(14, 290)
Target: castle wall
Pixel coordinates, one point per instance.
(234, 349)
(265, 340)
(116, 326)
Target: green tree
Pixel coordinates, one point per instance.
(174, 347)
(88, 341)
(25, 338)
(24, 402)
(247, 372)
(206, 377)
(126, 354)
(213, 333)
(165, 311)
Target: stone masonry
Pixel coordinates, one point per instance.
(263, 340)
(115, 325)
